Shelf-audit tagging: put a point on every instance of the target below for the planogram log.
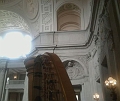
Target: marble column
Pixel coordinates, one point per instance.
(86, 94)
(92, 77)
(25, 95)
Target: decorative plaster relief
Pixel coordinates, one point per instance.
(46, 8)
(88, 56)
(104, 23)
(47, 15)
(96, 67)
(102, 34)
(36, 26)
(74, 69)
(31, 7)
(105, 30)
(83, 59)
(110, 41)
(46, 18)
(97, 72)
(11, 20)
(93, 52)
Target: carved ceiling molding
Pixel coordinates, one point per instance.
(10, 20)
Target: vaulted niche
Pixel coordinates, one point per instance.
(74, 69)
(68, 18)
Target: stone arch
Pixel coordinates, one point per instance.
(68, 17)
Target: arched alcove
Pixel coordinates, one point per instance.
(74, 69)
(68, 18)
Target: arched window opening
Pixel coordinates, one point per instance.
(68, 18)
(15, 38)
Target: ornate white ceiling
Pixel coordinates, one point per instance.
(31, 7)
(10, 20)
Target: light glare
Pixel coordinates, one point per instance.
(15, 45)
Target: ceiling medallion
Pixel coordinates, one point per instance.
(32, 8)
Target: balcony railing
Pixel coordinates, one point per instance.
(61, 38)
(16, 81)
(15, 84)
